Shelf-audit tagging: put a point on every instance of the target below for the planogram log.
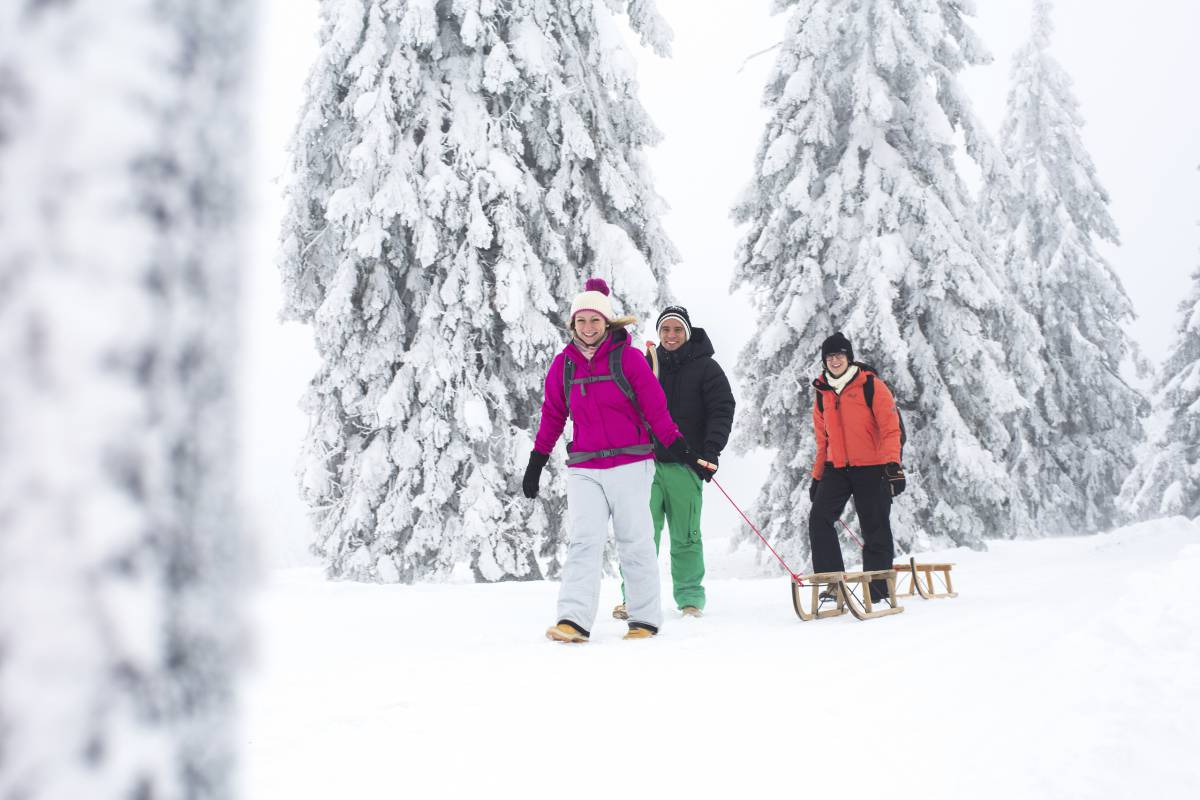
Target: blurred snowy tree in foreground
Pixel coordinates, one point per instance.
(121, 125)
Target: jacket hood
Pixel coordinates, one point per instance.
(698, 346)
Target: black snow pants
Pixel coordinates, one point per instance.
(872, 501)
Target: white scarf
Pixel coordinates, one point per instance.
(840, 383)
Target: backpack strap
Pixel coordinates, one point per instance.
(634, 450)
(616, 374)
(652, 357)
(869, 396)
(568, 379)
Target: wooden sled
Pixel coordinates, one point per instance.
(913, 571)
(818, 582)
(844, 584)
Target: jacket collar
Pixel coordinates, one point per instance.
(821, 384)
(616, 338)
(697, 347)
(847, 377)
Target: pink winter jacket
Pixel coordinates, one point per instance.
(604, 418)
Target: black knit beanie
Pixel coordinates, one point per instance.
(675, 312)
(837, 344)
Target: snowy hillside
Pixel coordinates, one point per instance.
(1065, 668)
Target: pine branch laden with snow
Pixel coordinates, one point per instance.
(1075, 446)
(460, 167)
(1168, 482)
(120, 129)
(859, 222)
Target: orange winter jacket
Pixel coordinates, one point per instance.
(849, 432)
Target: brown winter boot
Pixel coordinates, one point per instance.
(567, 632)
(639, 631)
(619, 612)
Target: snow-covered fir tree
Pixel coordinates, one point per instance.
(859, 222)
(1077, 440)
(120, 126)
(460, 168)
(1168, 482)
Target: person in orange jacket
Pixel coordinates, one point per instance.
(858, 455)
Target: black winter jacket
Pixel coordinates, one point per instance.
(698, 396)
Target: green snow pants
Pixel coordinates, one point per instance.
(676, 496)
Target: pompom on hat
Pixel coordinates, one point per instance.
(595, 297)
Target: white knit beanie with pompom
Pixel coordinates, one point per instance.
(594, 297)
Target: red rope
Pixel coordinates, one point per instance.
(795, 577)
(783, 563)
(851, 533)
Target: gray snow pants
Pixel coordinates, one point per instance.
(593, 496)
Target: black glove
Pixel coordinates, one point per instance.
(533, 473)
(812, 489)
(684, 455)
(893, 473)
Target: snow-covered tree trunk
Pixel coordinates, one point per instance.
(460, 167)
(120, 124)
(859, 222)
(1076, 443)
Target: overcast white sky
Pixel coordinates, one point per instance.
(1134, 64)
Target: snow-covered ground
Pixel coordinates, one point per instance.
(1066, 668)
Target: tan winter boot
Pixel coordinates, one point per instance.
(691, 611)
(639, 632)
(567, 632)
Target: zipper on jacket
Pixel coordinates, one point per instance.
(837, 404)
(598, 417)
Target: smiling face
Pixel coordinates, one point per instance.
(836, 363)
(672, 333)
(590, 327)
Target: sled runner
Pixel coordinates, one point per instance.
(912, 570)
(846, 598)
(819, 582)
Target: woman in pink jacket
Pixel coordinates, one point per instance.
(610, 463)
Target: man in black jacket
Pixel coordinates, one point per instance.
(701, 403)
